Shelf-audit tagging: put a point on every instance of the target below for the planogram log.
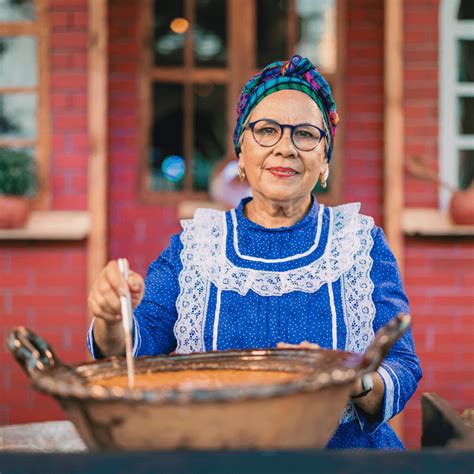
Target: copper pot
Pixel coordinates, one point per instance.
(301, 413)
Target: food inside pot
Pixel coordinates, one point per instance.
(204, 379)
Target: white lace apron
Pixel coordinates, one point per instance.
(346, 257)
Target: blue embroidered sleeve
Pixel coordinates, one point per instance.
(400, 370)
(155, 316)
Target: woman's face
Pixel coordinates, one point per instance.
(282, 172)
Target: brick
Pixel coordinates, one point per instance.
(70, 122)
(71, 203)
(79, 102)
(427, 17)
(80, 183)
(60, 102)
(60, 62)
(60, 20)
(80, 19)
(14, 280)
(38, 260)
(73, 278)
(69, 40)
(58, 142)
(79, 60)
(69, 81)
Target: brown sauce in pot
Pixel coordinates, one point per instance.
(205, 379)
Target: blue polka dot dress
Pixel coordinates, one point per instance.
(228, 283)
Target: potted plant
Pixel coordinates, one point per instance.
(17, 186)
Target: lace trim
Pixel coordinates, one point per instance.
(204, 261)
(191, 303)
(211, 259)
(359, 308)
(277, 260)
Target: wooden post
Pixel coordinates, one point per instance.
(242, 55)
(43, 199)
(393, 137)
(97, 124)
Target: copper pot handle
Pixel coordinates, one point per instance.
(384, 339)
(31, 351)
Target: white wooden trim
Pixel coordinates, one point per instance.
(463, 142)
(447, 106)
(51, 225)
(465, 89)
(450, 141)
(462, 29)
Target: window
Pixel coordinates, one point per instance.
(456, 95)
(197, 55)
(24, 113)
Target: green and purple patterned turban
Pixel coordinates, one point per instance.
(297, 74)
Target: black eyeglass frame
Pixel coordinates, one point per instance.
(323, 133)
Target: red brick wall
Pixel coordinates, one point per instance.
(68, 90)
(439, 273)
(363, 121)
(137, 231)
(439, 278)
(43, 284)
(421, 95)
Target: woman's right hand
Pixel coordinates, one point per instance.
(104, 296)
(104, 305)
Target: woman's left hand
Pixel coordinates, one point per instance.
(372, 402)
(301, 345)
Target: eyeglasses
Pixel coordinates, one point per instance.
(305, 137)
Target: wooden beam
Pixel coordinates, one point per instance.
(19, 28)
(97, 124)
(393, 137)
(215, 75)
(188, 96)
(337, 167)
(241, 34)
(18, 90)
(145, 96)
(43, 144)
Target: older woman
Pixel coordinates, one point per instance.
(279, 267)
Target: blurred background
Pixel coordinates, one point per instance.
(116, 119)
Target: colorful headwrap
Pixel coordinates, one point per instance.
(297, 74)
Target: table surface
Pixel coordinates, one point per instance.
(55, 447)
(50, 436)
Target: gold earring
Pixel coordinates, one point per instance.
(241, 173)
(324, 177)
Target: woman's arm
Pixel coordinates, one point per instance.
(372, 402)
(154, 317)
(396, 379)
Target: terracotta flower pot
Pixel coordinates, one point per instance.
(14, 211)
(461, 207)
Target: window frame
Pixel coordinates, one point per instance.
(450, 141)
(240, 67)
(38, 28)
